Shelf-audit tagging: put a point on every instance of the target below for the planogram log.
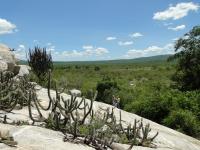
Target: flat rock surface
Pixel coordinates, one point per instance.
(37, 138)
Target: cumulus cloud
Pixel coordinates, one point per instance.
(88, 51)
(176, 12)
(20, 52)
(135, 35)
(87, 47)
(6, 27)
(150, 51)
(50, 47)
(125, 43)
(111, 38)
(177, 28)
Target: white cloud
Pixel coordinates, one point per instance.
(100, 51)
(175, 39)
(88, 51)
(177, 28)
(150, 51)
(133, 53)
(20, 52)
(111, 38)
(176, 12)
(125, 43)
(87, 47)
(135, 35)
(6, 27)
(153, 49)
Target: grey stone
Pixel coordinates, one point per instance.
(6, 54)
(23, 70)
(3, 65)
(37, 138)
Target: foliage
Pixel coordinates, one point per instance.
(106, 89)
(40, 61)
(188, 56)
(184, 121)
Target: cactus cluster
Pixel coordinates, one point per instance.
(13, 91)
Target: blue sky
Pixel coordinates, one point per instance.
(96, 29)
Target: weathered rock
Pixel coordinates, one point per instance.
(23, 70)
(3, 65)
(6, 54)
(75, 92)
(37, 138)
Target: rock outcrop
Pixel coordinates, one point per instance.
(6, 55)
(9, 62)
(37, 138)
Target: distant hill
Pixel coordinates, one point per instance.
(158, 58)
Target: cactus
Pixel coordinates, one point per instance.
(13, 91)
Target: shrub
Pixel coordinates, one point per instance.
(184, 121)
(96, 68)
(155, 109)
(106, 89)
(40, 61)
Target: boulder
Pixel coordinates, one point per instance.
(23, 70)
(37, 138)
(6, 55)
(75, 92)
(3, 65)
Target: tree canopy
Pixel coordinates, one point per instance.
(187, 54)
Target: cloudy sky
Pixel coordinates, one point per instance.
(96, 29)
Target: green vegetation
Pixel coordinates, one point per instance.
(145, 88)
(187, 76)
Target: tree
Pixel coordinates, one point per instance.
(187, 49)
(40, 61)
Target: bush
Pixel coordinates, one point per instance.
(40, 62)
(184, 121)
(155, 109)
(106, 89)
(96, 68)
